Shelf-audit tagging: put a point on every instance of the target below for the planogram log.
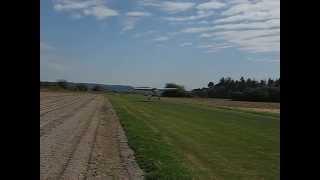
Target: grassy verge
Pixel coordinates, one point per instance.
(188, 141)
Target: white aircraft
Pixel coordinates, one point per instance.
(153, 92)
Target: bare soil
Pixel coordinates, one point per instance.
(81, 138)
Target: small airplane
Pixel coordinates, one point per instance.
(153, 92)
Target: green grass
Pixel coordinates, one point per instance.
(188, 141)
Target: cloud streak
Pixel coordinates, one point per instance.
(211, 5)
(132, 18)
(95, 8)
(186, 44)
(199, 15)
(169, 6)
(252, 26)
(161, 38)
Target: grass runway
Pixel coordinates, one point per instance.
(176, 140)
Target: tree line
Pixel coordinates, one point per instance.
(228, 88)
(243, 89)
(63, 84)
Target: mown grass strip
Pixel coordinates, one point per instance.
(187, 141)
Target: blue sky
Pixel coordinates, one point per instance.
(152, 42)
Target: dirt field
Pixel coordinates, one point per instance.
(81, 138)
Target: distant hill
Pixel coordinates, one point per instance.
(107, 87)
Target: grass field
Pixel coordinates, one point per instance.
(175, 140)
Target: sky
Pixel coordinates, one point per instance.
(154, 42)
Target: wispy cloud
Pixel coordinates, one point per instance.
(199, 15)
(264, 60)
(249, 25)
(252, 40)
(138, 14)
(96, 8)
(252, 26)
(243, 34)
(211, 5)
(169, 6)
(161, 38)
(129, 24)
(197, 29)
(215, 47)
(269, 24)
(132, 18)
(186, 44)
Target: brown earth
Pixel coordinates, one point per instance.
(81, 138)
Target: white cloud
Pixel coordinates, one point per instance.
(186, 44)
(100, 12)
(252, 26)
(129, 24)
(266, 60)
(132, 18)
(253, 40)
(203, 22)
(248, 16)
(200, 15)
(95, 8)
(67, 5)
(212, 48)
(244, 34)
(270, 24)
(174, 7)
(247, 34)
(211, 5)
(169, 6)
(138, 14)
(161, 38)
(213, 45)
(271, 6)
(197, 29)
